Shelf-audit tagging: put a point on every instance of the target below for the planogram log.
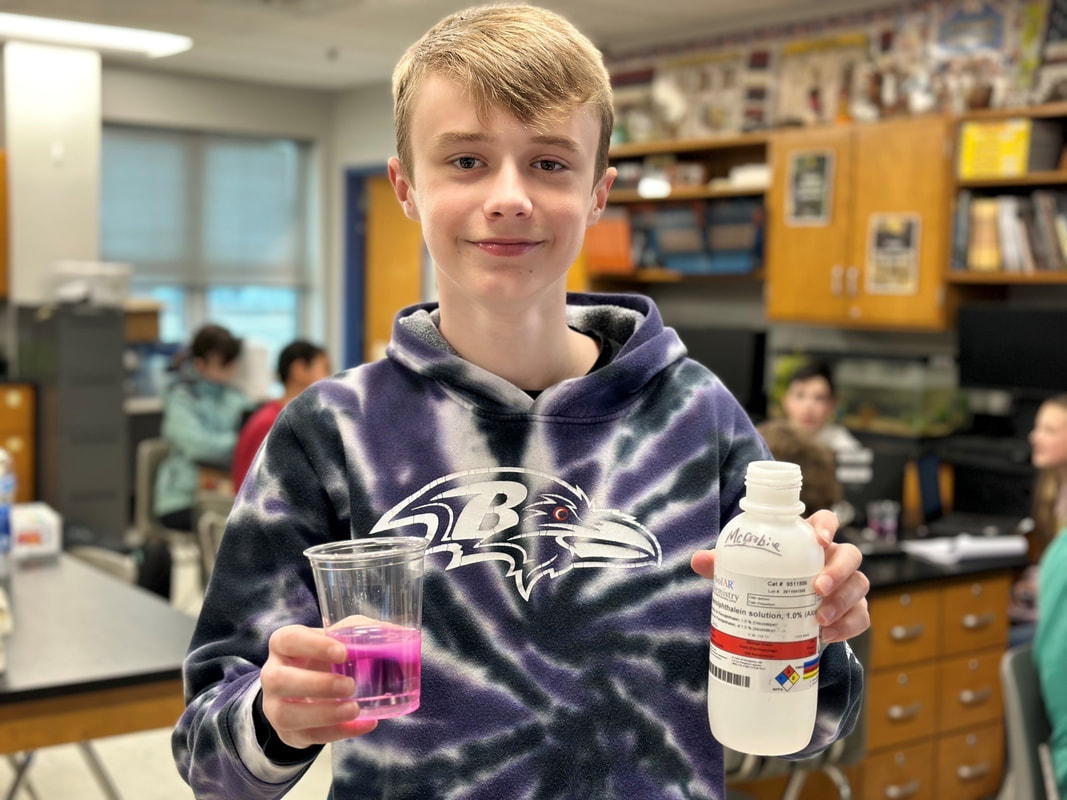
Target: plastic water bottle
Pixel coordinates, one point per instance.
(7, 499)
(763, 675)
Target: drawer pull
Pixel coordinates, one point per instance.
(904, 633)
(971, 698)
(969, 772)
(895, 792)
(898, 713)
(974, 621)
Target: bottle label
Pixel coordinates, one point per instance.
(764, 635)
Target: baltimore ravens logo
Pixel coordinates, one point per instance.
(537, 524)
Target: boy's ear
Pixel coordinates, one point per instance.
(405, 191)
(600, 196)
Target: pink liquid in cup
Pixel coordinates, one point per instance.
(385, 664)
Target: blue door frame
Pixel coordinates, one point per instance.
(355, 266)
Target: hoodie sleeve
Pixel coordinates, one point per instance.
(262, 582)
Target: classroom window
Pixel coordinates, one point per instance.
(216, 227)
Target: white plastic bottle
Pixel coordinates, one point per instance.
(763, 675)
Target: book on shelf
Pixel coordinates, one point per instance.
(1008, 148)
(609, 244)
(1012, 233)
(983, 250)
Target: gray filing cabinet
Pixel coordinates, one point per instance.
(74, 353)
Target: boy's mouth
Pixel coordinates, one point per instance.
(507, 247)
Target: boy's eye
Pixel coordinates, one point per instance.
(548, 165)
(466, 162)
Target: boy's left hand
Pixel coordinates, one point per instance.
(843, 588)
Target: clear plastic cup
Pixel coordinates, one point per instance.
(370, 596)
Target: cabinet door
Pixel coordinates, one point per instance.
(901, 175)
(970, 765)
(906, 773)
(970, 691)
(806, 259)
(976, 614)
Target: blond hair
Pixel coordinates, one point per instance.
(530, 62)
(819, 487)
(1046, 493)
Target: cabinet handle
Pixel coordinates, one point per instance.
(902, 633)
(895, 792)
(969, 698)
(969, 772)
(853, 280)
(837, 277)
(898, 713)
(974, 621)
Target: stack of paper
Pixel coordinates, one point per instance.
(953, 549)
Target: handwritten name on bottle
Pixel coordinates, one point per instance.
(740, 538)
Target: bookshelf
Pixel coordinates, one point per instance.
(1011, 230)
(702, 224)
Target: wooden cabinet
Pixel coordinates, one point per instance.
(934, 713)
(881, 177)
(18, 425)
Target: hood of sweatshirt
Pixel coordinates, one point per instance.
(647, 348)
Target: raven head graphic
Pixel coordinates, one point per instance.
(537, 524)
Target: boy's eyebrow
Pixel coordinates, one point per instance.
(451, 138)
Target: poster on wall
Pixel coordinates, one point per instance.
(893, 254)
(810, 188)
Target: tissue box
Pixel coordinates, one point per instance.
(36, 530)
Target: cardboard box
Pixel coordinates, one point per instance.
(36, 530)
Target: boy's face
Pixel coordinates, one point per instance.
(1048, 439)
(503, 206)
(213, 369)
(809, 403)
(304, 373)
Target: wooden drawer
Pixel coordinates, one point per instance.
(905, 627)
(970, 691)
(16, 409)
(975, 615)
(905, 773)
(970, 765)
(901, 705)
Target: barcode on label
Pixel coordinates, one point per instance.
(731, 678)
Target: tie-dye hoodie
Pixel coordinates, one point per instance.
(565, 636)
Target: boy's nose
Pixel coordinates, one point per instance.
(508, 196)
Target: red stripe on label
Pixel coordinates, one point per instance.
(780, 651)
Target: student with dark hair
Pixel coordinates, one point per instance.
(201, 415)
(810, 402)
(300, 364)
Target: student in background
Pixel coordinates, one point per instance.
(300, 364)
(811, 402)
(1048, 441)
(201, 415)
(1048, 445)
(788, 442)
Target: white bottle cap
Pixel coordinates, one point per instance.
(773, 486)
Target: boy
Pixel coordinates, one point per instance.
(561, 454)
(300, 364)
(201, 414)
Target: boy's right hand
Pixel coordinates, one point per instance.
(303, 700)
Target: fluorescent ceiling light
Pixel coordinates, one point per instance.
(153, 44)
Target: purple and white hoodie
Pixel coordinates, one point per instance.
(565, 637)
